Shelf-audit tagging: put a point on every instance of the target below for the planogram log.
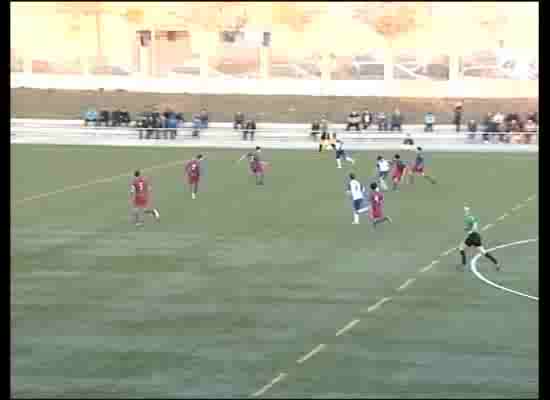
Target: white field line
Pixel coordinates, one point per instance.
(347, 327)
(95, 182)
(386, 299)
(516, 207)
(378, 304)
(278, 378)
(473, 268)
(311, 354)
(488, 226)
(407, 283)
(446, 253)
(429, 266)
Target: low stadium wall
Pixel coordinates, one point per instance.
(272, 135)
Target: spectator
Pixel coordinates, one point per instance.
(204, 118)
(172, 125)
(115, 117)
(196, 125)
(366, 119)
(90, 116)
(429, 121)
(249, 129)
(508, 121)
(458, 111)
(104, 117)
(396, 120)
(382, 121)
(324, 125)
(180, 118)
(472, 128)
(531, 128)
(354, 119)
(156, 122)
(238, 121)
(315, 129)
(533, 116)
(498, 121)
(125, 116)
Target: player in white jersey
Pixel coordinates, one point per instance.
(357, 192)
(383, 167)
(340, 153)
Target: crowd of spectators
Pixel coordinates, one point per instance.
(494, 127)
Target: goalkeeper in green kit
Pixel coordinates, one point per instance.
(474, 238)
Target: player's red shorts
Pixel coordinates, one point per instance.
(192, 179)
(397, 175)
(141, 201)
(257, 168)
(376, 212)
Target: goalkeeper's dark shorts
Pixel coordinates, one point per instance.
(473, 239)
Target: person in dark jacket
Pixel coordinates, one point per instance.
(315, 129)
(458, 111)
(204, 118)
(249, 129)
(381, 121)
(354, 119)
(239, 121)
(125, 116)
(366, 119)
(396, 120)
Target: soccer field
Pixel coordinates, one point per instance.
(244, 290)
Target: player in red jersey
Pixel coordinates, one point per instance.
(399, 169)
(140, 197)
(418, 167)
(376, 200)
(193, 171)
(256, 165)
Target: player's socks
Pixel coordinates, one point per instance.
(463, 257)
(193, 196)
(351, 160)
(339, 163)
(156, 213)
(355, 218)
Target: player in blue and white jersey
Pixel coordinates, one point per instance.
(341, 154)
(383, 167)
(357, 192)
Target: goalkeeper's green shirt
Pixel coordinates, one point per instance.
(472, 223)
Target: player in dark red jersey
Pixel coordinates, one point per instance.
(399, 169)
(140, 197)
(418, 167)
(256, 165)
(193, 171)
(376, 201)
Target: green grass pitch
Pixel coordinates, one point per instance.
(228, 291)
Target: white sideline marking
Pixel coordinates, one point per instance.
(279, 378)
(530, 198)
(429, 266)
(488, 226)
(446, 253)
(311, 354)
(473, 268)
(378, 304)
(407, 283)
(386, 299)
(516, 207)
(95, 182)
(347, 327)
